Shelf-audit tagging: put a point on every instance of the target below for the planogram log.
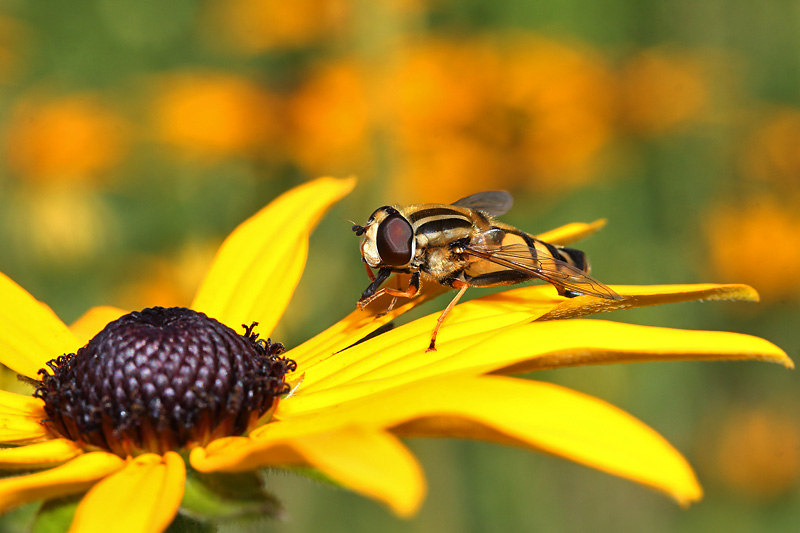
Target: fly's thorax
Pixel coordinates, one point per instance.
(440, 225)
(441, 263)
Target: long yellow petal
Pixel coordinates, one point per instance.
(323, 365)
(358, 325)
(573, 232)
(30, 332)
(647, 295)
(142, 497)
(21, 418)
(513, 411)
(94, 320)
(552, 419)
(258, 266)
(395, 358)
(371, 462)
(39, 455)
(73, 477)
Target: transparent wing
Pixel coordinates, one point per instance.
(560, 273)
(494, 203)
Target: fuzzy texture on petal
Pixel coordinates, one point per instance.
(21, 418)
(142, 497)
(647, 295)
(257, 268)
(70, 478)
(369, 461)
(30, 332)
(39, 455)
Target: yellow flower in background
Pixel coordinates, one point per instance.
(531, 112)
(350, 402)
(74, 138)
(167, 281)
(329, 119)
(566, 94)
(661, 90)
(755, 452)
(61, 223)
(211, 115)
(764, 228)
(770, 154)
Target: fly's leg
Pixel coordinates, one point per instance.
(369, 272)
(569, 293)
(394, 299)
(410, 292)
(462, 286)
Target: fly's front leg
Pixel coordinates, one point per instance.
(410, 292)
(372, 292)
(462, 286)
(369, 272)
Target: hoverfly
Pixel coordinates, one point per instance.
(461, 245)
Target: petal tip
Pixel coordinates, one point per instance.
(693, 495)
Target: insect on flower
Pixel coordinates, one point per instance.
(462, 245)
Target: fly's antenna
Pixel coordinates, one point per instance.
(359, 230)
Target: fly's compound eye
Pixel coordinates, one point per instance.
(394, 238)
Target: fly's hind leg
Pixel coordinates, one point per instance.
(462, 286)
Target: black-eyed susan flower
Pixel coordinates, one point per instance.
(161, 393)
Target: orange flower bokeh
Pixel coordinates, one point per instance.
(212, 115)
(73, 138)
(661, 90)
(330, 119)
(529, 113)
(757, 244)
(756, 453)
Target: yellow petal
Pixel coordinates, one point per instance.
(30, 332)
(21, 418)
(396, 358)
(141, 497)
(647, 295)
(357, 325)
(39, 455)
(94, 320)
(70, 478)
(468, 323)
(570, 233)
(506, 410)
(552, 419)
(258, 266)
(404, 346)
(368, 461)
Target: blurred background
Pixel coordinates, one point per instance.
(134, 136)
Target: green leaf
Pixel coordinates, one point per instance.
(184, 524)
(55, 516)
(221, 496)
